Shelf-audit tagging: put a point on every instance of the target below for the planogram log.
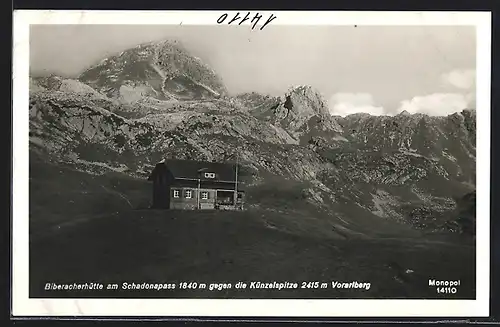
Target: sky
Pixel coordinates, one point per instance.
(373, 69)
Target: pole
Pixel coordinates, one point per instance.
(198, 196)
(236, 184)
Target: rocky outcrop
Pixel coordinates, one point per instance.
(303, 113)
(463, 218)
(58, 83)
(257, 103)
(74, 128)
(448, 141)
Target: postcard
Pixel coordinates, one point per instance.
(251, 164)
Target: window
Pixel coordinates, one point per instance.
(209, 175)
(176, 193)
(188, 194)
(204, 195)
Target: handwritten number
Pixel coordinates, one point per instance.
(236, 17)
(257, 17)
(223, 17)
(245, 18)
(269, 20)
(255, 20)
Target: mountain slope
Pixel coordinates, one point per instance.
(96, 228)
(356, 183)
(449, 140)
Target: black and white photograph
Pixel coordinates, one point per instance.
(248, 157)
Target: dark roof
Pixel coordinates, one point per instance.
(190, 168)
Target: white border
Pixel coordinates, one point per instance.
(22, 305)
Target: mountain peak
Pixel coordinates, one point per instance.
(155, 44)
(471, 111)
(301, 89)
(304, 99)
(359, 114)
(163, 70)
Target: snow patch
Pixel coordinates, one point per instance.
(121, 168)
(158, 70)
(411, 153)
(70, 85)
(281, 133)
(340, 138)
(208, 88)
(384, 204)
(130, 94)
(448, 156)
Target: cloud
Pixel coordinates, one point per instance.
(461, 82)
(440, 104)
(471, 100)
(460, 78)
(437, 104)
(344, 104)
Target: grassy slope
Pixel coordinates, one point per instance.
(91, 228)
